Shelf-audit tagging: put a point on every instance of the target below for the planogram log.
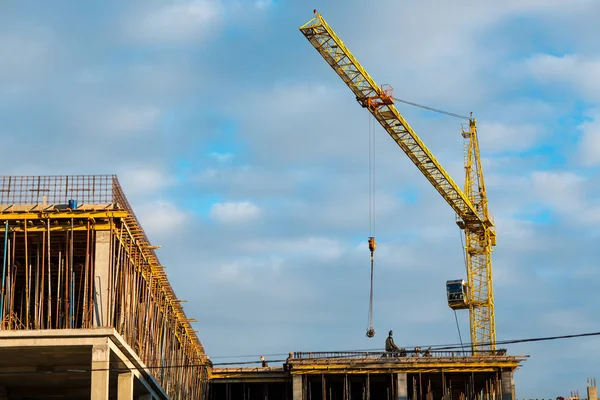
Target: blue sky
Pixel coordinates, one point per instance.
(246, 159)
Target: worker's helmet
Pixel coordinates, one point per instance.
(391, 333)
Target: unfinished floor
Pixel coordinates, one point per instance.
(372, 376)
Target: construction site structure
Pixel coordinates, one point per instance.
(413, 375)
(471, 206)
(86, 309)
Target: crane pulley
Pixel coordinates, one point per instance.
(470, 206)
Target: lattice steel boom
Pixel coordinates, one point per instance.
(470, 207)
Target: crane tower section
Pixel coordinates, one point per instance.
(471, 208)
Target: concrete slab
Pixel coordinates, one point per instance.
(57, 364)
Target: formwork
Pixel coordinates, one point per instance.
(373, 376)
(75, 257)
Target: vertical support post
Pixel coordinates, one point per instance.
(508, 385)
(323, 387)
(4, 264)
(368, 388)
(443, 385)
(402, 386)
(125, 386)
(345, 392)
(349, 388)
(592, 390)
(27, 275)
(297, 387)
(100, 371)
(101, 278)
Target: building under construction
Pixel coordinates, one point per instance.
(86, 311)
(85, 305)
(414, 375)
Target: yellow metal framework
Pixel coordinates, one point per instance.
(470, 207)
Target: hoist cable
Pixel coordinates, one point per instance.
(464, 253)
(370, 183)
(370, 330)
(451, 114)
(458, 328)
(373, 175)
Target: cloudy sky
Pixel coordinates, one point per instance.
(246, 159)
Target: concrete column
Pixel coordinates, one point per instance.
(592, 392)
(100, 372)
(101, 278)
(402, 386)
(125, 386)
(297, 392)
(508, 385)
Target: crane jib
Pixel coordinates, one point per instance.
(380, 104)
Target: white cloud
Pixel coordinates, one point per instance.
(233, 212)
(263, 4)
(178, 22)
(160, 218)
(131, 119)
(589, 144)
(567, 194)
(515, 234)
(572, 70)
(498, 136)
(318, 247)
(100, 119)
(563, 191)
(139, 179)
(222, 157)
(27, 57)
(243, 271)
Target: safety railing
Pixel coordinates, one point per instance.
(396, 354)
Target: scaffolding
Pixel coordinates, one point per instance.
(74, 256)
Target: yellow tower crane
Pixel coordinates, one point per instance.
(470, 206)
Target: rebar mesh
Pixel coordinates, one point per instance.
(57, 189)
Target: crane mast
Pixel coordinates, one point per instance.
(471, 207)
(479, 241)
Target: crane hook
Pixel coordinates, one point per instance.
(372, 246)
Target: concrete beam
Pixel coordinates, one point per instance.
(125, 386)
(100, 372)
(139, 370)
(101, 279)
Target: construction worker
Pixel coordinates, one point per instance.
(390, 346)
(263, 361)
